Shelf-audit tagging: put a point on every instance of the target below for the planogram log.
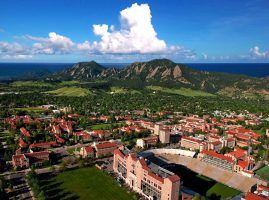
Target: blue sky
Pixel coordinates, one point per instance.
(126, 31)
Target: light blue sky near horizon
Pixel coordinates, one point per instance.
(205, 31)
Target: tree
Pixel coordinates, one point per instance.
(41, 196)
(63, 166)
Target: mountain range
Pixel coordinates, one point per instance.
(164, 72)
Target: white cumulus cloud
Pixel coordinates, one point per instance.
(205, 56)
(255, 52)
(136, 33)
(14, 51)
(135, 37)
(53, 44)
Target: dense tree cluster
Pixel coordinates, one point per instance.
(102, 102)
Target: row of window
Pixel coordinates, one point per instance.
(152, 183)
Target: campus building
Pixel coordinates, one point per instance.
(28, 159)
(216, 159)
(148, 179)
(104, 149)
(193, 143)
(236, 161)
(147, 142)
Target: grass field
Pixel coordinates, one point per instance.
(31, 109)
(71, 150)
(180, 91)
(263, 172)
(68, 83)
(120, 90)
(105, 126)
(70, 91)
(222, 191)
(31, 84)
(85, 184)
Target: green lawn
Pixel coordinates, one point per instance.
(31, 84)
(180, 91)
(105, 126)
(85, 184)
(69, 83)
(71, 150)
(31, 109)
(263, 172)
(121, 90)
(70, 91)
(222, 190)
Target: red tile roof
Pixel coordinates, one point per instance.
(59, 139)
(43, 144)
(118, 152)
(174, 178)
(156, 177)
(251, 196)
(216, 143)
(25, 132)
(151, 140)
(18, 157)
(238, 153)
(106, 145)
(38, 154)
(216, 155)
(242, 163)
(22, 143)
(89, 149)
(191, 139)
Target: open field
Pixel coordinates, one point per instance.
(31, 109)
(121, 90)
(70, 91)
(180, 91)
(84, 183)
(263, 172)
(31, 84)
(222, 190)
(68, 83)
(105, 126)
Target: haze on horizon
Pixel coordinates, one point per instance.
(127, 31)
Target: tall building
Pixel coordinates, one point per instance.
(164, 136)
(148, 179)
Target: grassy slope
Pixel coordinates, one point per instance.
(70, 91)
(85, 183)
(180, 91)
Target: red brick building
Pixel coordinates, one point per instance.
(105, 149)
(148, 179)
